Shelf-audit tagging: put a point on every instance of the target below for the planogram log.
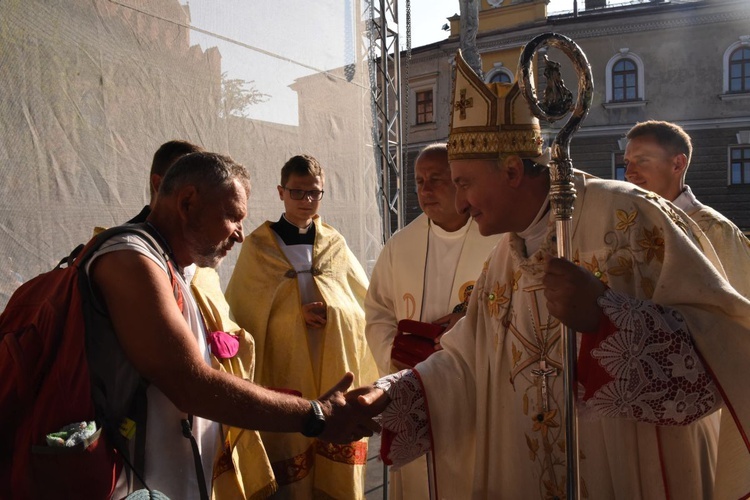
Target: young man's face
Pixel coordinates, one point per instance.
(436, 192)
(482, 191)
(301, 212)
(651, 166)
(217, 224)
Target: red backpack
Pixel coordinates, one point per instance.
(46, 383)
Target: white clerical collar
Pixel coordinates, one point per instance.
(535, 234)
(302, 230)
(687, 202)
(446, 235)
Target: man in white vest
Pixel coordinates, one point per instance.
(657, 158)
(426, 273)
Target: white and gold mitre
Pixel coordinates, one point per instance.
(490, 119)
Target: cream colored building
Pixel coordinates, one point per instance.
(686, 61)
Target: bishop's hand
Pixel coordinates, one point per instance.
(346, 419)
(571, 292)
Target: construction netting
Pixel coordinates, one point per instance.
(91, 88)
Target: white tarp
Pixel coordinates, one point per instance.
(91, 88)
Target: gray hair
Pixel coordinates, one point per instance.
(204, 170)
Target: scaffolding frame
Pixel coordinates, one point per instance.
(388, 133)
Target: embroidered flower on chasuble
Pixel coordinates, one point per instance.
(555, 490)
(544, 421)
(653, 243)
(667, 209)
(625, 219)
(623, 267)
(593, 267)
(496, 298)
(533, 445)
(516, 279)
(517, 355)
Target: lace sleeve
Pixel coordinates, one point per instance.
(657, 375)
(405, 422)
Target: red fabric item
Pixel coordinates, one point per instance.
(386, 441)
(410, 349)
(591, 374)
(425, 330)
(223, 345)
(414, 342)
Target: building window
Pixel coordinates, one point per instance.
(500, 77)
(739, 165)
(424, 107)
(739, 70)
(736, 65)
(624, 81)
(499, 73)
(618, 166)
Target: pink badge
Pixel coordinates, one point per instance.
(223, 345)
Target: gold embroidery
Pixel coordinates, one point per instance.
(464, 291)
(352, 453)
(624, 266)
(626, 219)
(463, 104)
(533, 445)
(647, 285)
(555, 489)
(294, 469)
(224, 461)
(594, 268)
(543, 422)
(495, 299)
(411, 305)
(516, 279)
(543, 338)
(517, 354)
(653, 243)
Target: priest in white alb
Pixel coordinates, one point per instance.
(426, 273)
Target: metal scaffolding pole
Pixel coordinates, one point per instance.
(385, 85)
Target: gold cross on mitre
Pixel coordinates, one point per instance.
(464, 103)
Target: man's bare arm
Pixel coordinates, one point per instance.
(160, 345)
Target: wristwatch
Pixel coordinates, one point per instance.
(315, 422)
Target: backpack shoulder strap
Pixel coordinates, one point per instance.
(82, 254)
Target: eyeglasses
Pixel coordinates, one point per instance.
(301, 194)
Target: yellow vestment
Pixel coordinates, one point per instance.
(265, 300)
(242, 469)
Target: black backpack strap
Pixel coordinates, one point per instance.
(187, 431)
(139, 407)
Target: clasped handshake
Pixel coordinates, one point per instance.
(350, 413)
